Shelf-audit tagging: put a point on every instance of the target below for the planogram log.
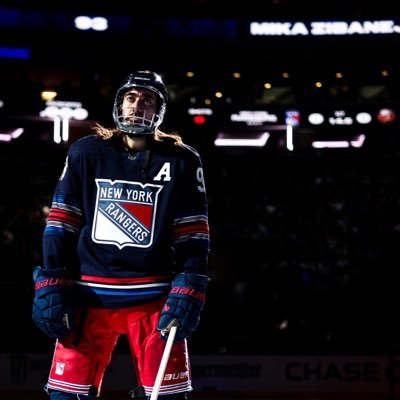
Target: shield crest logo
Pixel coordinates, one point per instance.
(125, 213)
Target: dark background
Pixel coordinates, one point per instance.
(304, 243)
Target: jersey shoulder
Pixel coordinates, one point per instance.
(191, 151)
(88, 145)
(183, 151)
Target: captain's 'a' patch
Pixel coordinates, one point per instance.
(125, 213)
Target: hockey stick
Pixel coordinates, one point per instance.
(164, 360)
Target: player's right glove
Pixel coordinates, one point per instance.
(184, 305)
(55, 302)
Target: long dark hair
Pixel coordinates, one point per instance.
(172, 138)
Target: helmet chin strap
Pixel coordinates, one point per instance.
(137, 131)
(134, 135)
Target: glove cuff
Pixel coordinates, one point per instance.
(192, 279)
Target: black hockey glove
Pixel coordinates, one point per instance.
(55, 302)
(184, 304)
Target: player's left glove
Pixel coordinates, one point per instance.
(184, 305)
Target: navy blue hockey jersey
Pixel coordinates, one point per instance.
(124, 223)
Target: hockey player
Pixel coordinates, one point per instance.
(124, 250)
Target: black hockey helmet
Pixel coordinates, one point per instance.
(145, 80)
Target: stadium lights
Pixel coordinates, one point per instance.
(85, 23)
(335, 144)
(15, 52)
(200, 114)
(289, 138)
(7, 137)
(64, 109)
(61, 130)
(253, 117)
(48, 95)
(61, 112)
(228, 140)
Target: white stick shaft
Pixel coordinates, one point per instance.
(163, 363)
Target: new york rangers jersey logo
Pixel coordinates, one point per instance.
(125, 213)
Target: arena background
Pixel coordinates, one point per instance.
(304, 264)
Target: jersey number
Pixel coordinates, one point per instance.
(200, 179)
